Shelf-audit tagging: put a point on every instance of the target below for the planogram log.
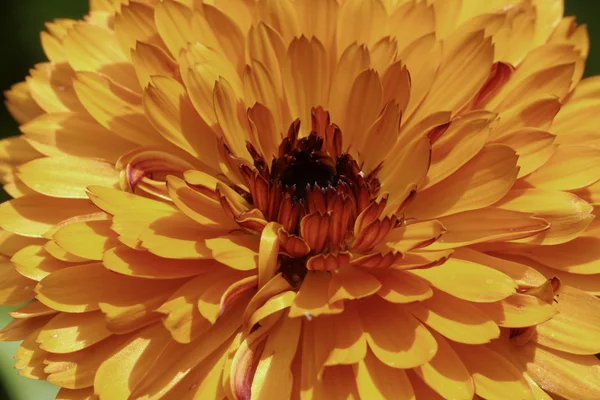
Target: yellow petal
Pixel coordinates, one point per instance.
(401, 287)
(74, 134)
(406, 172)
(355, 13)
(575, 329)
(468, 281)
(173, 22)
(359, 116)
(306, 78)
(67, 333)
(24, 329)
(268, 253)
(149, 60)
(313, 296)
(116, 108)
(380, 137)
(396, 338)
(533, 146)
(479, 183)
(89, 47)
(171, 112)
(119, 202)
(119, 374)
(581, 164)
(351, 283)
(67, 177)
(20, 104)
(14, 287)
(177, 236)
(487, 225)
(376, 380)
(273, 377)
(494, 376)
(445, 373)
(88, 240)
(77, 370)
(523, 275)
(464, 69)
(146, 265)
(561, 374)
(354, 59)
(81, 288)
(414, 236)
(177, 362)
(232, 117)
(463, 139)
(456, 319)
(32, 310)
(236, 250)
(348, 343)
(52, 87)
(135, 24)
(519, 310)
(411, 21)
(77, 394)
(567, 214)
(36, 263)
(34, 215)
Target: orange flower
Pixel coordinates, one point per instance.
(306, 199)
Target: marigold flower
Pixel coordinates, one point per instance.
(328, 199)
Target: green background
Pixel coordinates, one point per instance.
(21, 49)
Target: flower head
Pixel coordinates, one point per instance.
(306, 199)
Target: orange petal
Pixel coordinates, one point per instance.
(396, 338)
(464, 69)
(562, 374)
(487, 225)
(533, 146)
(76, 370)
(518, 311)
(34, 262)
(414, 236)
(575, 329)
(171, 112)
(445, 373)
(88, 240)
(312, 299)
(67, 333)
(116, 108)
(149, 60)
(81, 288)
(89, 47)
(14, 287)
(34, 215)
(581, 164)
(272, 377)
(468, 281)
(495, 377)
(479, 183)
(118, 374)
(173, 22)
(306, 77)
(146, 265)
(456, 319)
(523, 275)
(401, 287)
(567, 214)
(464, 138)
(236, 250)
(352, 283)
(375, 380)
(61, 135)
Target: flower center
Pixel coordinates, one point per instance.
(316, 192)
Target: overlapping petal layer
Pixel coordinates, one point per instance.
(306, 199)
